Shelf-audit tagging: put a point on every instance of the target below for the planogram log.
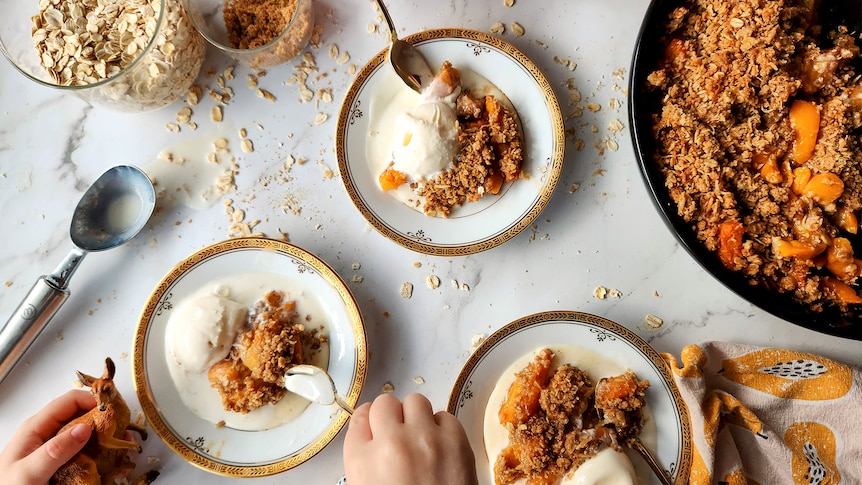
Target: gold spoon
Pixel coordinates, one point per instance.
(407, 61)
(653, 463)
(316, 385)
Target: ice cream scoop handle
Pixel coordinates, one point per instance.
(28, 320)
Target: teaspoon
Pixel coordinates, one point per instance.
(314, 384)
(407, 61)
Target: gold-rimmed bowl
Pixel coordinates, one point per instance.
(586, 341)
(221, 449)
(475, 226)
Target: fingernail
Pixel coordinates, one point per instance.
(80, 432)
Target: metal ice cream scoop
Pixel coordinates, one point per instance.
(407, 61)
(111, 212)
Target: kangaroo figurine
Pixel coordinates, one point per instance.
(106, 456)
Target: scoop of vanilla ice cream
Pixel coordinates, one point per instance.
(425, 138)
(607, 467)
(203, 330)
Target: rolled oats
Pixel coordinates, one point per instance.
(149, 63)
(216, 114)
(263, 93)
(247, 145)
(517, 29)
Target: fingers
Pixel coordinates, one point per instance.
(417, 409)
(42, 463)
(358, 429)
(39, 428)
(386, 413)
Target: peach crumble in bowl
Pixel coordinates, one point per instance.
(557, 398)
(463, 166)
(213, 344)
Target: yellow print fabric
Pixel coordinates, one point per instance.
(770, 416)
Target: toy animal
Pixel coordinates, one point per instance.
(106, 456)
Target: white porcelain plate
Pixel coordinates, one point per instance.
(667, 415)
(475, 226)
(232, 452)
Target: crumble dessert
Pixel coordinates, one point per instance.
(273, 341)
(455, 147)
(758, 136)
(557, 419)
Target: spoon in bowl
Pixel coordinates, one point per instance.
(316, 385)
(651, 460)
(110, 213)
(407, 61)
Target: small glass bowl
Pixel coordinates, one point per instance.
(208, 17)
(156, 74)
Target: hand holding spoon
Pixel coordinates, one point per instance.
(314, 384)
(110, 213)
(406, 59)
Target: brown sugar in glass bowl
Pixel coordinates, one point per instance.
(259, 34)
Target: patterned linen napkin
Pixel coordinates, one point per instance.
(770, 416)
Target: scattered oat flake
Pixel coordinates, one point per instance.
(419, 380)
(594, 107)
(333, 51)
(517, 29)
(355, 266)
(508, 3)
(263, 93)
(343, 58)
(432, 282)
(498, 28)
(465, 287)
(247, 145)
(184, 115)
(388, 387)
(320, 118)
(372, 28)
(455, 284)
(653, 321)
(476, 341)
(406, 290)
(59, 335)
(172, 127)
(357, 279)
(216, 114)
(8, 284)
(600, 292)
(574, 188)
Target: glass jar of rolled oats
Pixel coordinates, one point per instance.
(128, 55)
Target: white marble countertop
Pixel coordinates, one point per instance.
(604, 233)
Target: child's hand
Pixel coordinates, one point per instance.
(387, 442)
(34, 453)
